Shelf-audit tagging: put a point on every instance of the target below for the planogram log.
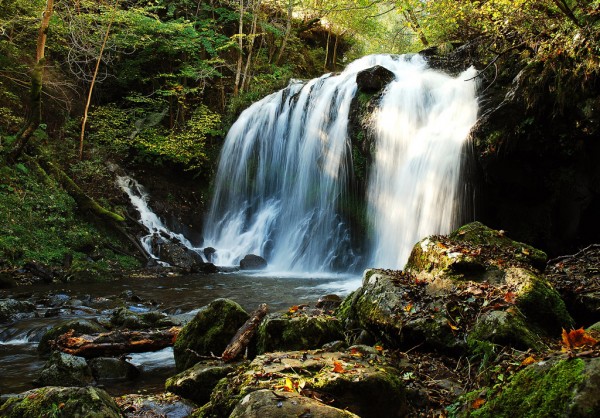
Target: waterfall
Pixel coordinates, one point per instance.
(286, 164)
(156, 229)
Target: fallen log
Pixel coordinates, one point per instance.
(242, 338)
(115, 343)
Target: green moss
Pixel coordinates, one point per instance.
(539, 391)
(505, 328)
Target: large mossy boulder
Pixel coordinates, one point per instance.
(110, 369)
(80, 326)
(209, 332)
(197, 382)
(63, 369)
(267, 403)
(364, 384)
(450, 289)
(300, 330)
(73, 402)
(553, 388)
(126, 318)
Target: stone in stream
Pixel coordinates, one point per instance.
(126, 318)
(13, 310)
(209, 332)
(55, 401)
(374, 79)
(197, 382)
(109, 368)
(253, 262)
(63, 369)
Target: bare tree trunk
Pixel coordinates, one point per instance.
(35, 96)
(411, 18)
(238, 73)
(564, 8)
(256, 10)
(288, 30)
(327, 49)
(242, 338)
(89, 98)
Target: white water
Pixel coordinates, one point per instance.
(285, 165)
(156, 229)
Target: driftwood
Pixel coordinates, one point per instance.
(115, 343)
(242, 338)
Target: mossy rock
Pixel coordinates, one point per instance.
(266, 403)
(52, 401)
(209, 332)
(504, 328)
(11, 309)
(198, 382)
(298, 331)
(553, 388)
(125, 318)
(65, 370)
(109, 368)
(365, 385)
(80, 326)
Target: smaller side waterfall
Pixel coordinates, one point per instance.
(156, 229)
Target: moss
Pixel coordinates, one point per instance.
(81, 326)
(505, 328)
(541, 390)
(226, 394)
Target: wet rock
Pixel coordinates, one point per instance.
(12, 310)
(329, 302)
(267, 403)
(58, 300)
(126, 318)
(41, 271)
(81, 326)
(504, 328)
(72, 401)
(566, 388)
(297, 331)
(108, 368)
(253, 262)
(65, 370)
(209, 253)
(364, 385)
(197, 382)
(374, 79)
(205, 268)
(159, 405)
(178, 255)
(209, 332)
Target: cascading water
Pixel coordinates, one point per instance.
(285, 167)
(421, 126)
(156, 229)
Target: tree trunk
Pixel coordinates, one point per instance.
(288, 30)
(412, 20)
(35, 97)
(89, 98)
(242, 338)
(256, 10)
(238, 72)
(116, 342)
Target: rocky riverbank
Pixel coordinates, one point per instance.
(476, 325)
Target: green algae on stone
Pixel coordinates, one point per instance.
(80, 326)
(209, 332)
(505, 328)
(53, 401)
(198, 382)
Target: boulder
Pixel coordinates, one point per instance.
(267, 403)
(109, 368)
(556, 387)
(374, 79)
(155, 405)
(329, 302)
(209, 332)
(61, 401)
(81, 326)
(178, 255)
(297, 331)
(364, 384)
(65, 370)
(12, 310)
(449, 290)
(253, 262)
(197, 382)
(209, 253)
(126, 318)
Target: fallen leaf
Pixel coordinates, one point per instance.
(577, 338)
(529, 360)
(478, 403)
(293, 309)
(356, 353)
(288, 386)
(510, 297)
(452, 326)
(525, 251)
(337, 367)
(408, 307)
(378, 348)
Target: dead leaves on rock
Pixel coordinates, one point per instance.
(577, 339)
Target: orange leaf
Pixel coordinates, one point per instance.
(293, 309)
(510, 297)
(478, 403)
(356, 353)
(529, 360)
(577, 338)
(379, 348)
(408, 307)
(452, 326)
(289, 386)
(337, 367)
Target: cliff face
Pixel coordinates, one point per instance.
(534, 150)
